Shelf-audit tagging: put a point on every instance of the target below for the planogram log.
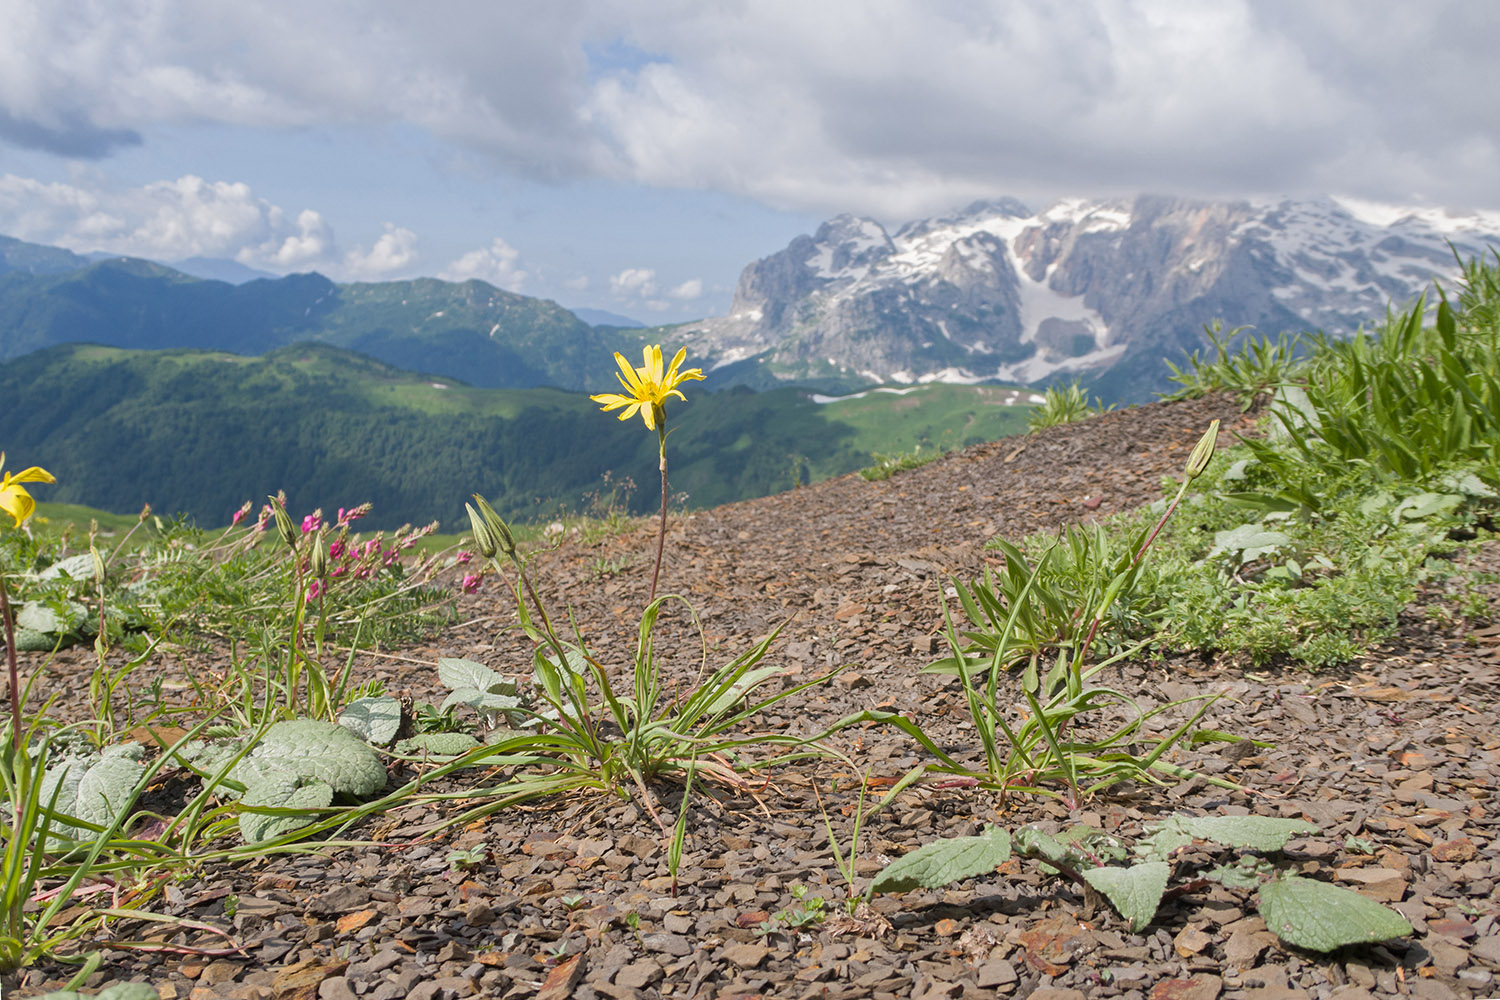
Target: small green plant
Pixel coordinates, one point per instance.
(1256, 366)
(1066, 405)
(462, 859)
(1050, 742)
(1303, 912)
(806, 911)
(887, 466)
(577, 731)
(845, 860)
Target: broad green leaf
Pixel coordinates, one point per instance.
(1257, 833)
(284, 791)
(1135, 891)
(105, 789)
(79, 567)
(119, 991)
(1425, 505)
(1250, 540)
(374, 720)
(1248, 872)
(437, 745)
(456, 673)
(1322, 917)
(315, 749)
(945, 861)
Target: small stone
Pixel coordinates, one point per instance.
(1459, 850)
(1057, 993)
(639, 975)
(996, 973)
(746, 956)
(670, 944)
(1203, 987)
(1487, 950)
(1190, 941)
(336, 988)
(1386, 885)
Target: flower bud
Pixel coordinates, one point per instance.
(98, 563)
(499, 531)
(319, 558)
(1203, 452)
(284, 526)
(483, 540)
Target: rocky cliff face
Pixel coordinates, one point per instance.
(1102, 290)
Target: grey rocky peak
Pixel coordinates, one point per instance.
(1098, 289)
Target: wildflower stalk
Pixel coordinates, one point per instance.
(661, 531)
(646, 391)
(14, 669)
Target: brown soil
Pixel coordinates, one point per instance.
(574, 897)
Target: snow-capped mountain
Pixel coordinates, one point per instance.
(1101, 289)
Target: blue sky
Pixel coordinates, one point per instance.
(634, 156)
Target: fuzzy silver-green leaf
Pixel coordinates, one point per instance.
(283, 791)
(945, 861)
(1321, 917)
(375, 720)
(1135, 891)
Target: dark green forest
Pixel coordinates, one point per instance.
(201, 432)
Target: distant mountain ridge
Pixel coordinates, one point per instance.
(467, 330)
(1099, 289)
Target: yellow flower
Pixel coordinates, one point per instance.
(646, 386)
(14, 499)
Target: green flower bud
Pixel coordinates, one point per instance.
(483, 540)
(498, 529)
(1203, 452)
(284, 526)
(319, 558)
(98, 563)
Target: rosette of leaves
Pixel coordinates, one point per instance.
(1301, 911)
(482, 689)
(292, 772)
(43, 626)
(91, 787)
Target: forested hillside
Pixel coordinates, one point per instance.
(201, 432)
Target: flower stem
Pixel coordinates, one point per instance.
(10, 661)
(661, 531)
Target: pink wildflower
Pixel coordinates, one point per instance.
(391, 558)
(464, 558)
(314, 589)
(336, 548)
(311, 523)
(471, 583)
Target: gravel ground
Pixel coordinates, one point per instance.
(574, 898)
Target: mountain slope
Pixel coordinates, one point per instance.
(470, 330)
(1104, 290)
(201, 432)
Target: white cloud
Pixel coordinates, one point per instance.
(893, 109)
(496, 263)
(395, 251)
(633, 281)
(690, 289)
(578, 283)
(164, 220)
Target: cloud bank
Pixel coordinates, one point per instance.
(892, 109)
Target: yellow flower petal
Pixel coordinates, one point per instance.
(647, 387)
(32, 475)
